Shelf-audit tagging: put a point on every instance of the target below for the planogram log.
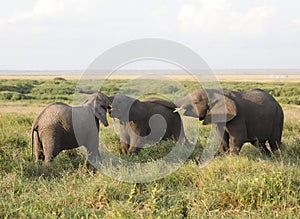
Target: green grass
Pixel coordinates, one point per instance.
(60, 89)
(247, 186)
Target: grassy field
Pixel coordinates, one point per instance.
(247, 186)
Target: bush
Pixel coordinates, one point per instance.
(13, 96)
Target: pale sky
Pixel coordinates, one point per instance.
(227, 34)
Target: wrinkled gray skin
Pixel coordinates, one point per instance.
(54, 130)
(147, 121)
(251, 116)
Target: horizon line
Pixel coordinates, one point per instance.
(216, 69)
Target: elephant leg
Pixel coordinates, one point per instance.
(224, 139)
(131, 149)
(263, 148)
(38, 147)
(274, 144)
(93, 156)
(51, 149)
(237, 135)
(93, 152)
(225, 143)
(124, 147)
(124, 140)
(236, 144)
(135, 145)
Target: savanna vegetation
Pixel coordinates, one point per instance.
(247, 186)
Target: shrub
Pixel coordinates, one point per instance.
(13, 96)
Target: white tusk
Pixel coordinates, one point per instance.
(178, 109)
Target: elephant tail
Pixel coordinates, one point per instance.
(280, 122)
(33, 130)
(277, 129)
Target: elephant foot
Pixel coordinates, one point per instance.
(234, 151)
(40, 156)
(263, 148)
(47, 163)
(124, 147)
(221, 152)
(265, 151)
(132, 150)
(223, 149)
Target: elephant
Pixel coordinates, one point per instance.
(250, 116)
(61, 127)
(148, 121)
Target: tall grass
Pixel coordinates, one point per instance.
(247, 186)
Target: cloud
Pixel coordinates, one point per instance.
(50, 7)
(62, 33)
(255, 20)
(162, 21)
(294, 25)
(64, 10)
(220, 17)
(1, 23)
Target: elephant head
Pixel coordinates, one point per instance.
(126, 108)
(212, 106)
(99, 104)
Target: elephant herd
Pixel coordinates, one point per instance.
(250, 116)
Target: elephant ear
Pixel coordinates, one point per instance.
(99, 106)
(222, 109)
(138, 111)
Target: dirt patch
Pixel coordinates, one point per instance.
(21, 108)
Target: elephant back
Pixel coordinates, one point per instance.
(162, 102)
